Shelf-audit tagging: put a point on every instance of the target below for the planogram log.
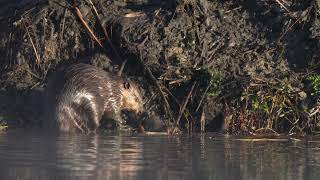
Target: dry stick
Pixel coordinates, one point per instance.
(107, 37)
(178, 103)
(202, 121)
(282, 5)
(121, 68)
(94, 37)
(185, 104)
(174, 98)
(203, 96)
(285, 8)
(289, 28)
(167, 106)
(33, 46)
(104, 29)
(62, 30)
(86, 25)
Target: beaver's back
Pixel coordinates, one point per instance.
(78, 95)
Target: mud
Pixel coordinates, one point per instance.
(233, 55)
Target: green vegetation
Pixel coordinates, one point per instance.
(315, 83)
(270, 106)
(214, 84)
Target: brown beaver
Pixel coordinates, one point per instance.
(79, 96)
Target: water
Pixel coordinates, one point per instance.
(30, 155)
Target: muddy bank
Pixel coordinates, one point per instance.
(240, 67)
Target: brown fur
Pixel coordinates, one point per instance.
(78, 96)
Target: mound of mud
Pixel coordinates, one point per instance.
(238, 66)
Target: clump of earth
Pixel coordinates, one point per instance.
(241, 67)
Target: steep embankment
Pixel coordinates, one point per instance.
(244, 66)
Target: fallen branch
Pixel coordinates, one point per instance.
(174, 98)
(167, 106)
(202, 98)
(290, 27)
(86, 25)
(122, 67)
(62, 30)
(33, 46)
(185, 104)
(202, 121)
(282, 5)
(178, 103)
(162, 95)
(104, 30)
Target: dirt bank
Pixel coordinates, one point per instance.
(237, 66)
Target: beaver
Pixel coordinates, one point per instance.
(79, 96)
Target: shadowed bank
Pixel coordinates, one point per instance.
(241, 67)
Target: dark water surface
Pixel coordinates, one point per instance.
(29, 155)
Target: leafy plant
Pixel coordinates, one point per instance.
(271, 105)
(214, 84)
(315, 83)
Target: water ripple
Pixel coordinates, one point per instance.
(25, 155)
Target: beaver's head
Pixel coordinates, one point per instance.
(132, 99)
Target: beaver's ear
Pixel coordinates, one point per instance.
(126, 85)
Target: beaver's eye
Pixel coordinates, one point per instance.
(126, 85)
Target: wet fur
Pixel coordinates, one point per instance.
(78, 96)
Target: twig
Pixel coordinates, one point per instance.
(86, 25)
(167, 106)
(143, 41)
(122, 67)
(33, 46)
(178, 103)
(162, 95)
(203, 96)
(99, 20)
(314, 112)
(267, 128)
(104, 30)
(202, 121)
(185, 104)
(178, 81)
(289, 28)
(174, 98)
(33, 74)
(62, 30)
(282, 5)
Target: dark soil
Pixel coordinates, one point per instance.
(241, 66)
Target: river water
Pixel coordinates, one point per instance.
(40, 155)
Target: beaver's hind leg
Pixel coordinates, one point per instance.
(82, 116)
